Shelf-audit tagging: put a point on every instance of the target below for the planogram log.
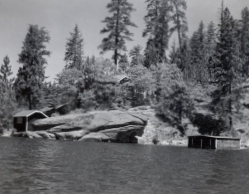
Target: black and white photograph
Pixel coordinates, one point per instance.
(124, 96)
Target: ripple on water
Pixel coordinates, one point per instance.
(40, 166)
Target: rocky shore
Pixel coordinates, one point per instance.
(136, 125)
(107, 126)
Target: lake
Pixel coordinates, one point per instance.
(44, 166)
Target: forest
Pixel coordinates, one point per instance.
(206, 72)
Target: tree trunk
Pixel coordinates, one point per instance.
(180, 113)
(230, 105)
(117, 35)
(179, 35)
(116, 56)
(178, 29)
(30, 102)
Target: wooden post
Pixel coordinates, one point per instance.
(201, 143)
(26, 127)
(215, 143)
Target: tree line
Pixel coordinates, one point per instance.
(214, 61)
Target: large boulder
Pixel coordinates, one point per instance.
(48, 123)
(95, 137)
(115, 125)
(93, 121)
(101, 120)
(143, 112)
(64, 128)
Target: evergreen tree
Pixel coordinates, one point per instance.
(227, 70)
(89, 73)
(74, 50)
(179, 20)
(197, 43)
(31, 75)
(137, 90)
(211, 36)
(173, 100)
(123, 63)
(173, 55)
(5, 71)
(136, 56)
(51, 95)
(210, 48)
(157, 28)
(117, 27)
(151, 56)
(7, 98)
(67, 82)
(198, 55)
(184, 60)
(244, 37)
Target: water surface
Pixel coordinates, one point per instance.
(44, 166)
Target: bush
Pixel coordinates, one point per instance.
(172, 100)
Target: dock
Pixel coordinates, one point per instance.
(213, 142)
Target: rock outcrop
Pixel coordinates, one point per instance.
(48, 123)
(95, 137)
(107, 126)
(124, 134)
(71, 135)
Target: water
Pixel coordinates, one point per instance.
(43, 166)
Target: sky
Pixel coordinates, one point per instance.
(59, 17)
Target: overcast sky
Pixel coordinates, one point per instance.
(60, 16)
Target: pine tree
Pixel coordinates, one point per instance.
(173, 100)
(179, 20)
(211, 36)
(197, 43)
(117, 27)
(31, 75)
(157, 28)
(89, 73)
(136, 56)
(173, 55)
(151, 56)
(228, 68)
(123, 62)
(7, 98)
(210, 49)
(51, 95)
(244, 37)
(184, 60)
(74, 50)
(199, 59)
(5, 71)
(67, 81)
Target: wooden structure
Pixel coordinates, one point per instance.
(60, 109)
(120, 79)
(23, 120)
(48, 111)
(114, 80)
(213, 142)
